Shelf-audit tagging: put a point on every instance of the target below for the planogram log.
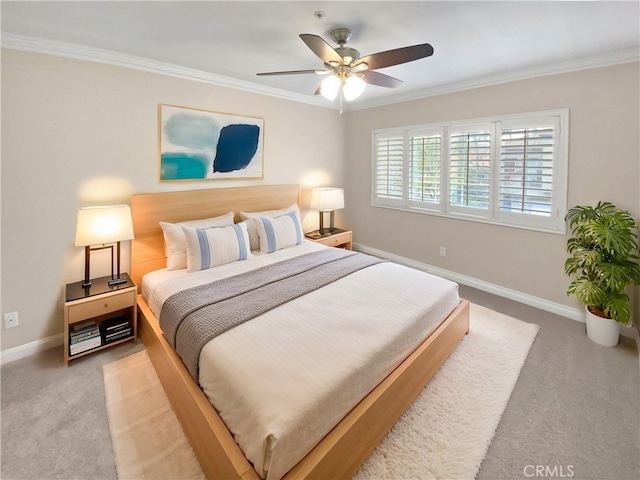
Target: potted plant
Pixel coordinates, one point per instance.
(603, 249)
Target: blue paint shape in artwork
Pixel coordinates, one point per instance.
(183, 166)
(236, 147)
(192, 131)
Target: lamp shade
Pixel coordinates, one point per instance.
(99, 225)
(326, 199)
(330, 87)
(353, 87)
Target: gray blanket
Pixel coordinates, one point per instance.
(189, 319)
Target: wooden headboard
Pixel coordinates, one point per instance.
(147, 210)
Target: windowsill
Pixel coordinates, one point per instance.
(460, 216)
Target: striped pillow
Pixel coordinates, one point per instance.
(279, 232)
(175, 247)
(252, 221)
(213, 246)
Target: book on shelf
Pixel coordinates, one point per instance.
(116, 329)
(78, 337)
(83, 327)
(119, 335)
(114, 323)
(84, 333)
(84, 336)
(84, 345)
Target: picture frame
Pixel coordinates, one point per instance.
(198, 144)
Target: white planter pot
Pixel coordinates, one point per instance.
(603, 331)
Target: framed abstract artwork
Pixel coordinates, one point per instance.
(201, 145)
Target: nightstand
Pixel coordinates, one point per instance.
(98, 317)
(339, 238)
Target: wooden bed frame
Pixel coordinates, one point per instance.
(346, 447)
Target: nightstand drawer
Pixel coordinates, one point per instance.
(101, 306)
(337, 239)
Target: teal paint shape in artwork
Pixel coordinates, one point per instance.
(183, 166)
(237, 145)
(194, 132)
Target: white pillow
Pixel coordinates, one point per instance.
(252, 225)
(279, 232)
(213, 246)
(175, 246)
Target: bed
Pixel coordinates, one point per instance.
(343, 448)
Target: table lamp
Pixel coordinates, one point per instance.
(327, 199)
(99, 226)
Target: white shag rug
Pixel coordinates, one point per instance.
(444, 434)
(446, 431)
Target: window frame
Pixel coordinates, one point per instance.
(554, 223)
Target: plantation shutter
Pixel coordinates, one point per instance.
(527, 168)
(425, 150)
(507, 170)
(470, 167)
(388, 175)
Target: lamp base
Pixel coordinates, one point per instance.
(324, 232)
(116, 281)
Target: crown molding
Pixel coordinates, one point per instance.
(585, 63)
(78, 52)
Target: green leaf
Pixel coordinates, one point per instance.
(589, 292)
(618, 308)
(617, 276)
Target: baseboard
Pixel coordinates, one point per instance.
(546, 305)
(13, 354)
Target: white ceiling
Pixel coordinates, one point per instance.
(475, 43)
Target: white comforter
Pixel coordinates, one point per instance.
(283, 380)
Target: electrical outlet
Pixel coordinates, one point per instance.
(443, 251)
(60, 307)
(11, 320)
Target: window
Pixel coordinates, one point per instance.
(507, 170)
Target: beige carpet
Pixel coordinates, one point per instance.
(445, 433)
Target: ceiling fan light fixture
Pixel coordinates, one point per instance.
(330, 86)
(353, 87)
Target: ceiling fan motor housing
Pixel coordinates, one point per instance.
(340, 35)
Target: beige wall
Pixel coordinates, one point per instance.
(604, 164)
(77, 133)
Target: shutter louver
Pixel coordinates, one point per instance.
(389, 172)
(424, 169)
(470, 169)
(526, 170)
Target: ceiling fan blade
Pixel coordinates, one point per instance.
(397, 56)
(380, 79)
(321, 48)
(293, 72)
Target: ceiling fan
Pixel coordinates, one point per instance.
(350, 72)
